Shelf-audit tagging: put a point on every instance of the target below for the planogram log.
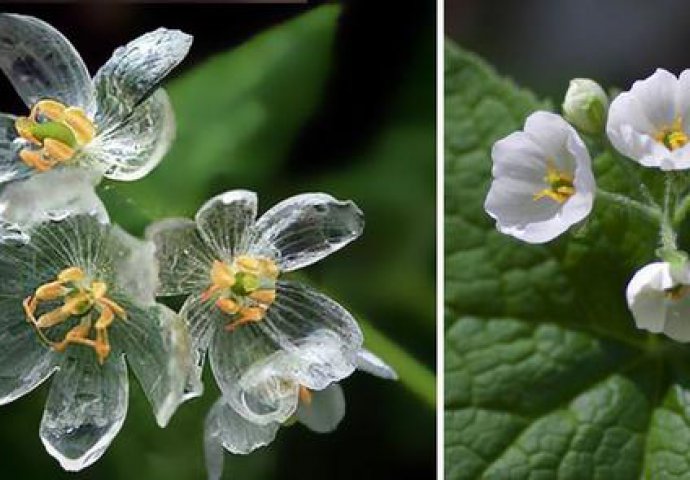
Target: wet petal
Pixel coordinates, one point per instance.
(184, 260)
(41, 63)
(156, 344)
(11, 166)
(305, 228)
(235, 433)
(132, 264)
(86, 407)
(373, 365)
(51, 196)
(133, 147)
(224, 220)
(134, 71)
(325, 411)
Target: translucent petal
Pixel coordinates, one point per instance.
(53, 195)
(134, 72)
(11, 166)
(202, 319)
(373, 365)
(235, 433)
(305, 228)
(224, 221)
(156, 343)
(300, 311)
(86, 407)
(184, 260)
(325, 411)
(131, 149)
(264, 396)
(41, 63)
(132, 265)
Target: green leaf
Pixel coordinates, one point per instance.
(546, 375)
(238, 114)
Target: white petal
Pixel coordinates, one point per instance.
(184, 260)
(305, 228)
(53, 195)
(134, 71)
(133, 147)
(651, 306)
(86, 407)
(325, 411)
(157, 345)
(41, 63)
(224, 222)
(373, 365)
(518, 159)
(657, 96)
(235, 433)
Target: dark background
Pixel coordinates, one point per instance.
(381, 86)
(542, 44)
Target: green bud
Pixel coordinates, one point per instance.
(586, 105)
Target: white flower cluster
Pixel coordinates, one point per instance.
(543, 182)
(79, 294)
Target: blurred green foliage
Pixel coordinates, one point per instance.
(239, 115)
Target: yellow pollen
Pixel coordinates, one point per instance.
(80, 299)
(243, 289)
(673, 137)
(560, 184)
(54, 132)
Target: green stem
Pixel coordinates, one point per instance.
(682, 210)
(415, 376)
(652, 213)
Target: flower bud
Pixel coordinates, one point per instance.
(585, 105)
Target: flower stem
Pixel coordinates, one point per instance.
(682, 210)
(652, 213)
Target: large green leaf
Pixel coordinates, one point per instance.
(546, 376)
(237, 114)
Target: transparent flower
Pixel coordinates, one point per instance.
(118, 124)
(658, 297)
(77, 298)
(543, 182)
(321, 411)
(241, 310)
(585, 105)
(650, 123)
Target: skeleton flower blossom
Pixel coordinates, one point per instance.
(118, 124)
(320, 411)
(650, 123)
(543, 182)
(658, 297)
(77, 299)
(270, 341)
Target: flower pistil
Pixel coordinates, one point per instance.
(244, 289)
(80, 299)
(673, 137)
(54, 132)
(560, 184)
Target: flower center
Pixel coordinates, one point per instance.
(244, 289)
(82, 299)
(673, 137)
(677, 292)
(54, 132)
(560, 184)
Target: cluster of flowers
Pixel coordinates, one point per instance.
(79, 294)
(543, 182)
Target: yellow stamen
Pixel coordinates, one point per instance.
(55, 133)
(678, 292)
(80, 299)
(263, 296)
(305, 395)
(560, 184)
(222, 275)
(228, 306)
(673, 136)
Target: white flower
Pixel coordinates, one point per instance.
(659, 298)
(543, 181)
(650, 123)
(239, 308)
(585, 105)
(77, 298)
(118, 124)
(321, 411)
